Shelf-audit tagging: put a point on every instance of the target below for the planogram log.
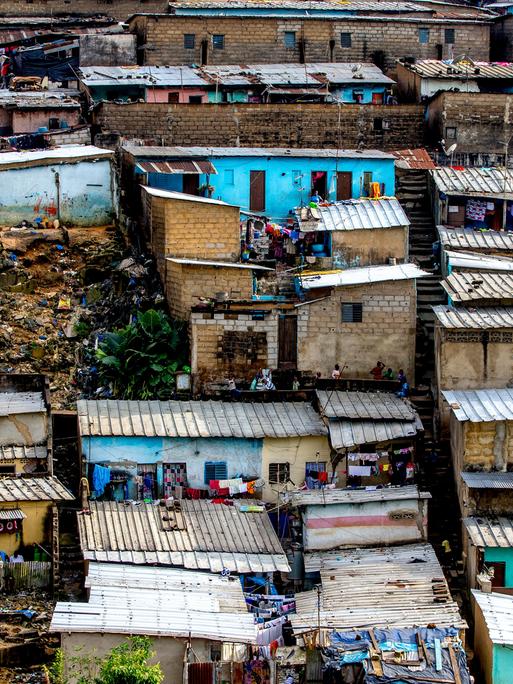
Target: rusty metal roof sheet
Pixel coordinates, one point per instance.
(370, 405)
(182, 6)
(462, 286)
(474, 181)
(484, 318)
(20, 489)
(496, 532)
(178, 166)
(480, 405)
(466, 238)
(417, 158)
(198, 419)
(10, 453)
(325, 497)
(491, 480)
(463, 70)
(396, 587)
(469, 239)
(356, 214)
(214, 537)
(348, 433)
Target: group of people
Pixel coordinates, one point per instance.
(379, 373)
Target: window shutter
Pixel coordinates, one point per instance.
(215, 470)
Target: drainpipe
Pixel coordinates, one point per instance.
(58, 188)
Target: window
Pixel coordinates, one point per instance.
(173, 98)
(381, 124)
(449, 38)
(189, 41)
(218, 41)
(345, 40)
(195, 99)
(351, 312)
(289, 39)
(450, 133)
(297, 178)
(279, 472)
(228, 177)
(215, 470)
(367, 180)
(7, 470)
(357, 95)
(313, 477)
(423, 35)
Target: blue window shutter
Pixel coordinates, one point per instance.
(215, 470)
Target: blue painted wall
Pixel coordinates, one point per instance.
(242, 456)
(346, 93)
(502, 556)
(86, 193)
(288, 180)
(502, 664)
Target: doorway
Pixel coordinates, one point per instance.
(257, 190)
(191, 183)
(499, 572)
(287, 341)
(320, 183)
(344, 185)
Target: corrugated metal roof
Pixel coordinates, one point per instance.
(373, 405)
(9, 453)
(356, 214)
(177, 167)
(360, 276)
(307, 5)
(497, 611)
(325, 497)
(11, 514)
(55, 155)
(490, 532)
(463, 70)
(484, 318)
(215, 537)
(474, 181)
(413, 159)
(461, 238)
(21, 402)
(480, 405)
(155, 602)
(478, 261)
(33, 489)
(493, 480)
(145, 76)
(349, 433)
(325, 560)
(147, 152)
(476, 286)
(397, 587)
(220, 264)
(198, 419)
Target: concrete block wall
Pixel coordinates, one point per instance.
(256, 39)
(386, 333)
(119, 9)
(186, 284)
(226, 344)
(261, 125)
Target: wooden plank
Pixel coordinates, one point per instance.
(423, 648)
(454, 664)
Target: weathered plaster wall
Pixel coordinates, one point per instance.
(35, 527)
(368, 247)
(86, 193)
(28, 121)
(107, 49)
(387, 331)
(295, 451)
(483, 646)
(23, 429)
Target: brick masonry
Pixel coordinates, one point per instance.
(119, 9)
(255, 39)
(266, 125)
(480, 121)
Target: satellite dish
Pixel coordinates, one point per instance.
(451, 149)
(356, 67)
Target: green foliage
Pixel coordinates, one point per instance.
(55, 670)
(139, 360)
(127, 664)
(82, 329)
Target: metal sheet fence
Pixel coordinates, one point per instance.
(28, 575)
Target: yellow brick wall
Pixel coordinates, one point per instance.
(185, 284)
(488, 445)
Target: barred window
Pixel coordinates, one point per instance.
(279, 472)
(351, 312)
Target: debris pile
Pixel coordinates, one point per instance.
(60, 289)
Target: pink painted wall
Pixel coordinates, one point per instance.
(24, 121)
(161, 94)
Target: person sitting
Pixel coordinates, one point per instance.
(335, 375)
(232, 387)
(377, 371)
(401, 377)
(404, 391)
(316, 198)
(388, 374)
(296, 384)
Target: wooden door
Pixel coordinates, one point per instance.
(287, 341)
(344, 185)
(257, 190)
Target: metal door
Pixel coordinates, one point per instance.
(257, 190)
(344, 185)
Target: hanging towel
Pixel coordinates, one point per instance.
(101, 478)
